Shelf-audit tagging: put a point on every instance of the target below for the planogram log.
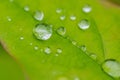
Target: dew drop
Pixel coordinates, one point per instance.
(72, 17)
(58, 10)
(59, 51)
(36, 48)
(87, 8)
(31, 44)
(62, 17)
(61, 31)
(112, 67)
(83, 48)
(93, 56)
(42, 31)
(39, 15)
(9, 19)
(84, 24)
(47, 50)
(74, 42)
(11, 0)
(21, 38)
(26, 8)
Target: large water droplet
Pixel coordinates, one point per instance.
(72, 17)
(26, 8)
(39, 15)
(112, 67)
(42, 31)
(47, 50)
(61, 31)
(62, 17)
(87, 8)
(58, 10)
(84, 24)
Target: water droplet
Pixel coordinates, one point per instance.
(83, 48)
(74, 42)
(9, 19)
(72, 17)
(59, 50)
(61, 31)
(93, 56)
(84, 24)
(58, 10)
(112, 67)
(76, 78)
(42, 31)
(31, 44)
(56, 54)
(26, 8)
(87, 8)
(47, 50)
(21, 38)
(62, 17)
(39, 15)
(36, 48)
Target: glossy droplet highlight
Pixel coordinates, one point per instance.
(72, 17)
(9, 18)
(26, 8)
(87, 8)
(62, 17)
(39, 15)
(59, 51)
(36, 48)
(112, 67)
(58, 10)
(21, 38)
(61, 31)
(47, 50)
(84, 24)
(42, 31)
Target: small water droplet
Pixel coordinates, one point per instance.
(61, 31)
(31, 44)
(39, 15)
(58, 10)
(84, 24)
(87, 8)
(36, 48)
(47, 50)
(76, 78)
(83, 48)
(26, 8)
(21, 38)
(93, 56)
(112, 67)
(62, 17)
(11, 0)
(42, 31)
(9, 19)
(59, 50)
(72, 17)
(56, 54)
(74, 42)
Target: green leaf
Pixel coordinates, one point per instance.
(101, 39)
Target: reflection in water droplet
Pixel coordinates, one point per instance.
(21, 38)
(47, 50)
(42, 31)
(62, 17)
(58, 10)
(26, 8)
(72, 17)
(39, 15)
(84, 24)
(87, 8)
(112, 67)
(61, 31)
(9, 19)
(36, 48)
